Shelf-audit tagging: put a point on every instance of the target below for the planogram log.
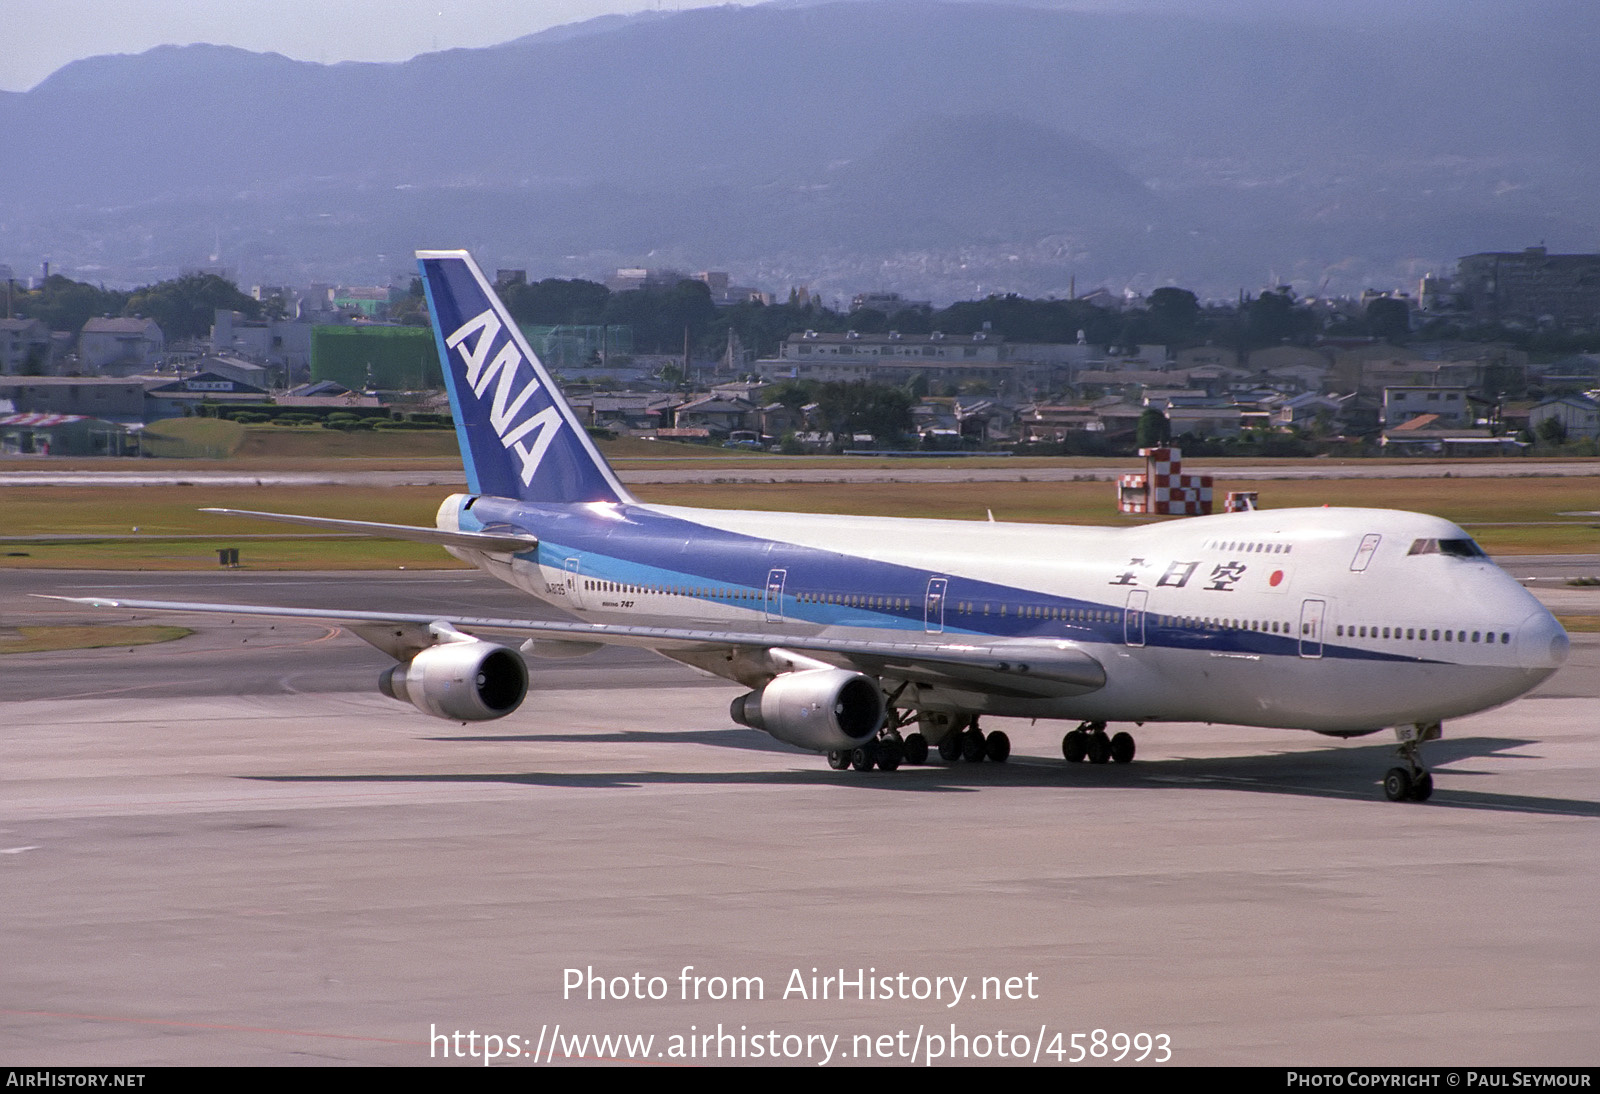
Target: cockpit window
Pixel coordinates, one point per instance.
(1455, 548)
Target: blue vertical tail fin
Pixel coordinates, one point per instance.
(519, 438)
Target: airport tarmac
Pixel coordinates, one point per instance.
(230, 849)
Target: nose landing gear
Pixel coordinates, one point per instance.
(1412, 782)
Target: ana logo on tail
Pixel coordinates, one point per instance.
(502, 373)
(519, 438)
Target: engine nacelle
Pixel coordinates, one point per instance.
(468, 681)
(820, 709)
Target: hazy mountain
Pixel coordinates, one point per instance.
(936, 147)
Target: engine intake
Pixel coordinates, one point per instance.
(464, 681)
(819, 709)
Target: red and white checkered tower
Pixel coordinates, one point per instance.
(1163, 489)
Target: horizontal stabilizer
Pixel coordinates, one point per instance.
(471, 541)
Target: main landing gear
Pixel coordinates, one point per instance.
(970, 743)
(959, 739)
(1412, 782)
(1089, 742)
(886, 753)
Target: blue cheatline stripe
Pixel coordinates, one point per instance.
(633, 545)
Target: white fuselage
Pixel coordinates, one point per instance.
(1337, 620)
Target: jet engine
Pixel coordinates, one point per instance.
(820, 709)
(471, 681)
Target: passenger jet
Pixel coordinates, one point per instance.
(848, 630)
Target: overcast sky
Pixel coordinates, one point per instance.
(36, 38)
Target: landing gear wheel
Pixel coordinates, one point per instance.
(1075, 746)
(950, 748)
(1099, 748)
(1397, 784)
(863, 758)
(1122, 748)
(973, 746)
(1412, 783)
(890, 753)
(997, 746)
(916, 749)
(838, 760)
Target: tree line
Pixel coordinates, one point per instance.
(182, 307)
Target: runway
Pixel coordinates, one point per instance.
(230, 849)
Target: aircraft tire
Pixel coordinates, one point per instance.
(972, 745)
(1122, 748)
(1075, 746)
(838, 760)
(997, 746)
(916, 746)
(864, 758)
(890, 755)
(1422, 787)
(1099, 748)
(1397, 784)
(950, 748)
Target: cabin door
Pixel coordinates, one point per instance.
(1364, 553)
(933, 605)
(775, 582)
(1133, 617)
(574, 583)
(1311, 613)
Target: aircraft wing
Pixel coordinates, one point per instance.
(498, 542)
(1021, 667)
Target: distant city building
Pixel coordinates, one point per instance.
(120, 347)
(1579, 417)
(1529, 286)
(1449, 406)
(574, 345)
(813, 345)
(371, 301)
(232, 368)
(886, 302)
(629, 278)
(25, 348)
(63, 435)
(719, 413)
(179, 398)
(724, 293)
(373, 357)
(285, 343)
(117, 400)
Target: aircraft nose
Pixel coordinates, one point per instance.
(1542, 643)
